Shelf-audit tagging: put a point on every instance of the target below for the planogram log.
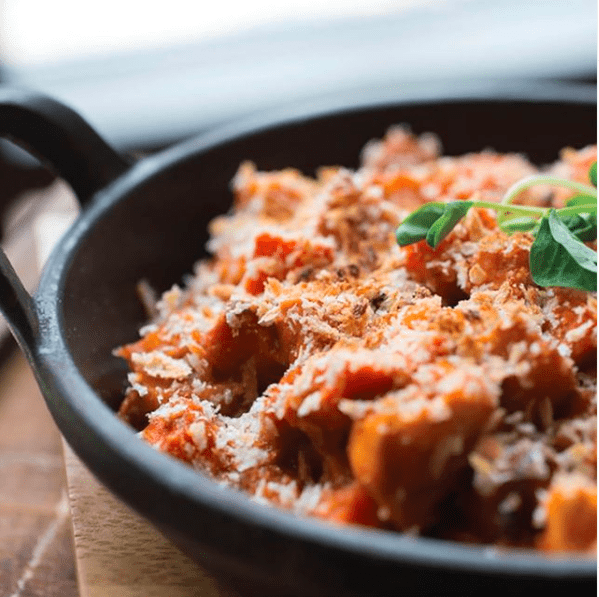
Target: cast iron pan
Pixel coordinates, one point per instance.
(148, 220)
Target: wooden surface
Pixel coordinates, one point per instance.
(36, 548)
(118, 553)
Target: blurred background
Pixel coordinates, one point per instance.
(147, 74)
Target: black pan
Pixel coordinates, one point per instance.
(148, 220)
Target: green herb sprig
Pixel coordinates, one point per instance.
(558, 255)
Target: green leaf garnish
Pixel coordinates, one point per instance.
(558, 256)
(453, 212)
(581, 200)
(519, 224)
(583, 226)
(416, 226)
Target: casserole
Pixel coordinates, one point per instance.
(131, 228)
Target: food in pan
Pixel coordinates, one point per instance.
(337, 358)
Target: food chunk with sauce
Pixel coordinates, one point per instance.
(317, 366)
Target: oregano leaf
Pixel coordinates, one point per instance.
(558, 258)
(581, 200)
(519, 224)
(416, 226)
(558, 254)
(453, 212)
(583, 225)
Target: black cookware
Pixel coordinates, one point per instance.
(148, 220)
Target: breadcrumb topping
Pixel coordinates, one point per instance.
(317, 366)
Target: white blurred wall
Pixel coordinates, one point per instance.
(36, 31)
(151, 74)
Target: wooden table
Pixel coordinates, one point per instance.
(36, 546)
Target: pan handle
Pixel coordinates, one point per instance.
(61, 139)
(17, 307)
(70, 147)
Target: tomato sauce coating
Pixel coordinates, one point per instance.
(317, 366)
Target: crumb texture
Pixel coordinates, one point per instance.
(317, 366)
